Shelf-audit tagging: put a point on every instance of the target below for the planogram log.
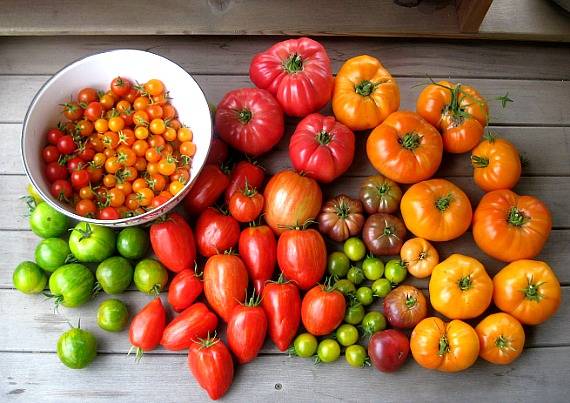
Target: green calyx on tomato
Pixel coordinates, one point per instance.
(516, 217)
(29, 278)
(245, 116)
(91, 243)
(443, 202)
(532, 292)
(443, 346)
(410, 141)
(479, 162)
(465, 283)
(365, 88)
(323, 137)
(293, 64)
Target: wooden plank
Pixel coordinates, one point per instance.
(470, 14)
(209, 55)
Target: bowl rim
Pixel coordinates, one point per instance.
(126, 221)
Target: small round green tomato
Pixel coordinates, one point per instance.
(29, 278)
(150, 276)
(345, 286)
(112, 315)
(373, 268)
(76, 348)
(347, 334)
(91, 243)
(395, 271)
(381, 287)
(328, 350)
(133, 243)
(356, 356)
(365, 295)
(338, 264)
(51, 253)
(354, 313)
(305, 345)
(354, 248)
(47, 222)
(114, 274)
(373, 322)
(356, 275)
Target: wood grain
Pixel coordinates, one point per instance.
(470, 14)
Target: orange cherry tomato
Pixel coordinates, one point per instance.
(107, 101)
(169, 134)
(123, 106)
(110, 139)
(140, 118)
(145, 197)
(116, 123)
(175, 124)
(140, 147)
(156, 140)
(141, 132)
(161, 99)
(166, 194)
(419, 256)
(96, 141)
(95, 174)
(154, 111)
(129, 174)
(496, 163)
(112, 165)
(167, 165)
(188, 148)
(116, 197)
(157, 126)
(168, 112)
(141, 103)
(109, 152)
(156, 182)
(154, 87)
(175, 187)
(125, 186)
(85, 208)
(99, 159)
(109, 180)
(166, 150)
(132, 201)
(86, 192)
(501, 338)
(138, 184)
(126, 156)
(152, 167)
(101, 125)
(152, 155)
(185, 134)
(140, 164)
(180, 175)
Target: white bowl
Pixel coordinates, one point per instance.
(97, 71)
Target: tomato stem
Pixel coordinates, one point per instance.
(479, 162)
(342, 210)
(410, 301)
(388, 231)
(465, 283)
(244, 116)
(490, 136)
(323, 137)
(443, 346)
(410, 141)
(293, 64)
(516, 217)
(532, 291)
(504, 344)
(365, 88)
(443, 202)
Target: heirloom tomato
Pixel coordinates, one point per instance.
(211, 364)
(208, 187)
(383, 234)
(173, 242)
(282, 305)
(245, 172)
(258, 250)
(91, 243)
(388, 350)
(71, 285)
(501, 338)
(405, 306)
(496, 163)
(147, 327)
(114, 274)
(184, 288)
(419, 256)
(76, 348)
(341, 217)
(112, 315)
(246, 330)
(380, 195)
(195, 322)
(322, 309)
(216, 232)
(246, 204)
(29, 278)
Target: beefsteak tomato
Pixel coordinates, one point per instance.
(341, 217)
(380, 195)
(212, 366)
(384, 234)
(209, 186)
(322, 310)
(258, 250)
(173, 242)
(244, 172)
(496, 163)
(501, 338)
(282, 305)
(419, 256)
(195, 322)
(147, 326)
(184, 288)
(246, 330)
(216, 232)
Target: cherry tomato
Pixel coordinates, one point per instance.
(94, 111)
(65, 144)
(87, 95)
(141, 103)
(116, 123)
(154, 87)
(85, 208)
(120, 86)
(50, 154)
(79, 178)
(167, 166)
(54, 171)
(108, 213)
(72, 110)
(154, 111)
(53, 136)
(61, 190)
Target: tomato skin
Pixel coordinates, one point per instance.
(510, 227)
(50, 154)
(207, 188)
(218, 152)
(212, 366)
(388, 350)
(184, 288)
(405, 306)
(193, 323)
(47, 222)
(297, 72)
(87, 95)
(322, 310)
(282, 305)
(496, 164)
(72, 284)
(29, 278)
(53, 136)
(54, 171)
(91, 243)
(244, 172)
(66, 144)
(501, 338)
(215, 232)
(79, 178)
(246, 205)
(258, 250)
(76, 348)
(61, 190)
(302, 256)
(94, 111)
(147, 326)
(114, 274)
(225, 283)
(246, 332)
(250, 120)
(380, 195)
(528, 290)
(321, 147)
(173, 243)
(419, 256)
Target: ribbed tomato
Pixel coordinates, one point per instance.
(501, 338)
(322, 310)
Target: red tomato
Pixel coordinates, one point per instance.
(173, 243)
(209, 186)
(53, 136)
(246, 205)
(147, 326)
(65, 144)
(50, 154)
(246, 331)
(87, 95)
(218, 152)
(388, 350)
(302, 256)
(54, 171)
(244, 171)
(184, 288)
(94, 111)
(61, 190)
(211, 364)
(74, 164)
(282, 305)
(195, 322)
(250, 120)
(120, 86)
(79, 178)
(258, 250)
(215, 232)
(108, 213)
(298, 72)
(225, 283)
(322, 310)
(321, 147)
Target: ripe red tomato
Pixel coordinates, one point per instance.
(184, 288)
(54, 171)
(50, 154)
(250, 120)
(258, 250)
(388, 350)
(61, 190)
(322, 310)
(72, 111)
(211, 364)
(87, 95)
(302, 256)
(244, 171)
(53, 136)
(65, 144)
(218, 152)
(215, 232)
(225, 283)
(120, 86)
(79, 178)
(246, 331)
(86, 153)
(298, 72)
(246, 205)
(147, 326)
(209, 186)
(282, 305)
(93, 111)
(108, 213)
(74, 164)
(321, 147)
(193, 323)
(173, 243)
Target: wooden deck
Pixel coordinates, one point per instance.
(538, 122)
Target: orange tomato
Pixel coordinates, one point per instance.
(123, 106)
(169, 112)
(156, 182)
(140, 118)
(109, 152)
(175, 187)
(175, 124)
(364, 93)
(101, 125)
(447, 347)
(419, 256)
(129, 174)
(140, 164)
(154, 87)
(528, 290)
(405, 148)
(116, 123)
(152, 155)
(140, 147)
(132, 201)
(185, 134)
(86, 192)
(126, 156)
(496, 163)
(110, 139)
(156, 141)
(126, 137)
(109, 180)
(116, 197)
(141, 132)
(141, 103)
(145, 196)
(180, 175)
(167, 165)
(138, 184)
(436, 210)
(99, 159)
(501, 338)
(107, 101)
(154, 111)
(169, 134)
(510, 227)
(125, 187)
(112, 165)
(188, 148)
(152, 167)
(157, 126)
(166, 194)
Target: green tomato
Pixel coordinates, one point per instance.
(373, 268)
(47, 222)
(345, 286)
(328, 350)
(76, 348)
(72, 285)
(365, 295)
(395, 271)
(133, 243)
(373, 322)
(150, 276)
(356, 275)
(381, 287)
(356, 356)
(338, 264)
(347, 334)
(354, 313)
(354, 248)
(91, 243)
(52, 253)
(114, 274)
(305, 345)
(29, 278)
(112, 315)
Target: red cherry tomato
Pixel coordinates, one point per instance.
(87, 95)
(215, 232)
(173, 243)
(65, 144)
(54, 171)
(282, 305)
(61, 190)
(147, 326)
(244, 172)
(53, 136)
(212, 366)
(108, 213)
(184, 288)
(258, 250)
(86, 154)
(120, 86)
(193, 323)
(246, 205)
(50, 154)
(74, 164)
(93, 111)
(246, 331)
(79, 178)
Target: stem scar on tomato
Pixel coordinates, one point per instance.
(443, 202)
(516, 217)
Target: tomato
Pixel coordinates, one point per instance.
(354, 248)
(79, 179)
(380, 195)
(373, 322)
(338, 264)
(258, 249)
(76, 348)
(246, 330)
(282, 305)
(297, 72)
(364, 295)
(347, 335)
(212, 366)
(381, 287)
(72, 111)
(419, 256)
(154, 111)
(61, 190)
(245, 205)
(51, 253)
(147, 327)
(108, 213)
(405, 306)
(71, 285)
(107, 101)
(341, 217)
(54, 171)
(218, 152)
(112, 315)
(195, 322)
(388, 350)
(184, 288)
(445, 346)
(154, 87)
(46, 222)
(501, 338)
(290, 199)
(355, 275)
(120, 86)
(496, 164)
(457, 110)
(510, 227)
(87, 95)
(356, 356)
(29, 278)
(86, 208)
(436, 210)
(53, 136)
(133, 243)
(225, 283)
(528, 290)
(302, 256)
(321, 147)
(328, 351)
(250, 120)
(66, 144)
(364, 93)
(75, 164)
(185, 134)
(208, 187)
(373, 268)
(322, 310)
(50, 154)
(91, 243)
(304, 346)
(216, 232)
(173, 242)
(114, 274)
(346, 287)
(384, 234)
(395, 271)
(94, 111)
(150, 276)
